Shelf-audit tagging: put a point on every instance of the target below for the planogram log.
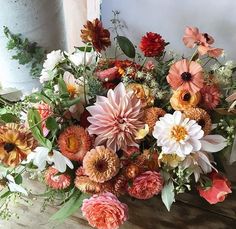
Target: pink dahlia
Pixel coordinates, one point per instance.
(210, 95)
(146, 185)
(105, 211)
(54, 179)
(116, 119)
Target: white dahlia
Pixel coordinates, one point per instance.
(116, 119)
(176, 134)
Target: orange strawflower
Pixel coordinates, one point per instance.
(74, 142)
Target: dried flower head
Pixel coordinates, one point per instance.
(84, 184)
(151, 115)
(95, 33)
(16, 142)
(74, 142)
(54, 179)
(201, 117)
(101, 164)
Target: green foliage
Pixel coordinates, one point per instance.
(95, 87)
(126, 46)
(51, 123)
(8, 117)
(168, 195)
(70, 207)
(26, 52)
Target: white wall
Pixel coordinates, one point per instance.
(170, 17)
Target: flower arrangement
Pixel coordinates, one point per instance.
(102, 127)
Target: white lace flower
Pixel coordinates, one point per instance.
(177, 134)
(41, 156)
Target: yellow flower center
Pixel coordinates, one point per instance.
(178, 133)
(73, 144)
(71, 89)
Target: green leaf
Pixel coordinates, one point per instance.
(71, 102)
(51, 123)
(168, 195)
(88, 48)
(126, 46)
(62, 87)
(8, 117)
(70, 207)
(18, 179)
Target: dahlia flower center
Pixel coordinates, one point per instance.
(9, 147)
(186, 76)
(201, 123)
(101, 166)
(186, 97)
(73, 143)
(178, 133)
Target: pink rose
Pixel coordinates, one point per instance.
(146, 185)
(218, 191)
(105, 211)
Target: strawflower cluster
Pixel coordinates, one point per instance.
(100, 128)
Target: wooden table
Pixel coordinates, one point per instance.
(188, 212)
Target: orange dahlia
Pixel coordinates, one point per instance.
(95, 33)
(84, 184)
(101, 164)
(151, 115)
(152, 44)
(74, 142)
(16, 142)
(54, 179)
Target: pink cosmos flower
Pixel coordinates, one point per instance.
(105, 211)
(186, 75)
(193, 37)
(45, 111)
(210, 96)
(116, 119)
(146, 185)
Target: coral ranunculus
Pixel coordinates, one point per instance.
(95, 33)
(146, 185)
(105, 211)
(218, 191)
(186, 75)
(152, 44)
(182, 100)
(74, 142)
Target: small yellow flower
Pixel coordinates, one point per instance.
(142, 133)
(171, 160)
(183, 99)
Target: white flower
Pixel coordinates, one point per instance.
(177, 134)
(49, 71)
(77, 58)
(213, 143)
(53, 58)
(13, 187)
(41, 156)
(198, 163)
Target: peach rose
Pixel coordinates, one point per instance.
(218, 191)
(105, 211)
(146, 185)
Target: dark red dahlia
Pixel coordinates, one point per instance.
(152, 44)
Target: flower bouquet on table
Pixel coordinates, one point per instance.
(104, 127)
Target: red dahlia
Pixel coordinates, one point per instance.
(152, 44)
